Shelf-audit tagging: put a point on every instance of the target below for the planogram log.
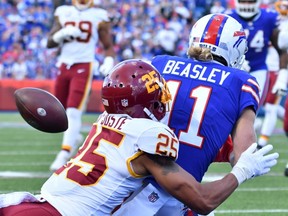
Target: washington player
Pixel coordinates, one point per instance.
(76, 31)
(261, 27)
(211, 100)
(126, 144)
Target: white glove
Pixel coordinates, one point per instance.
(254, 163)
(245, 66)
(280, 86)
(107, 65)
(67, 33)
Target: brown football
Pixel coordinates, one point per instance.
(41, 110)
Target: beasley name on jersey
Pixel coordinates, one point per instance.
(204, 110)
(259, 32)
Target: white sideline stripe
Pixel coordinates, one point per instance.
(12, 174)
(17, 153)
(84, 128)
(251, 211)
(214, 177)
(34, 164)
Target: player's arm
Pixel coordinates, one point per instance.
(59, 34)
(199, 197)
(243, 134)
(203, 198)
(55, 27)
(105, 37)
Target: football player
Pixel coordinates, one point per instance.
(76, 30)
(126, 144)
(261, 27)
(277, 86)
(212, 99)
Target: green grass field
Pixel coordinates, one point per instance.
(26, 154)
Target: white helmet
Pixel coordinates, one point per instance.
(82, 4)
(247, 8)
(223, 35)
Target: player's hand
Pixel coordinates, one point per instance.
(67, 33)
(254, 163)
(280, 86)
(107, 65)
(245, 66)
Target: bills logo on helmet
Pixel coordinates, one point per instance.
(239, 33)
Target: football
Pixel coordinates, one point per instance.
(41, 110)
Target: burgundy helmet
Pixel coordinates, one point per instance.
(136, 88)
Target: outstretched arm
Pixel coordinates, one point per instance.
(203, 198)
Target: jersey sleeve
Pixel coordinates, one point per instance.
(159, 140)
(250, 94)
(102, 14)
(59, 10)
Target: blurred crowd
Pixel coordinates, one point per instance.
(140, 29)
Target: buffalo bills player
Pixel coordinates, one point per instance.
(76, 31)
(212, 99)
(277, 85)
(261, 27)
(126, 144)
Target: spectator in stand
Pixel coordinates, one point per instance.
(167, 40)
(217, 7)
(19, 69)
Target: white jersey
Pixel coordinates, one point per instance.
(100, 176)
(81, 49)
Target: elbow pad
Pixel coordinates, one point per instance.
(283, 39)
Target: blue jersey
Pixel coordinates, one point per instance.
(259, 32)
(208, 99)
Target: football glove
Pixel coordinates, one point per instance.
(107, 65)
(67, 33)
(254, 163)
(280, 86)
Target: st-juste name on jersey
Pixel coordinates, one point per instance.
(81, 49)
(101, 176)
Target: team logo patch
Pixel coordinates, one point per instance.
(124, 102)
(153, 197)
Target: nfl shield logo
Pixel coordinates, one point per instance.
(153, 197)
(124, 102)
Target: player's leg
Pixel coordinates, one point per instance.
(271, 112)
(62, 82)
(30, 209)
(262, 77)
(79, 89)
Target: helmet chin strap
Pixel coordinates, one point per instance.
(150, 115)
